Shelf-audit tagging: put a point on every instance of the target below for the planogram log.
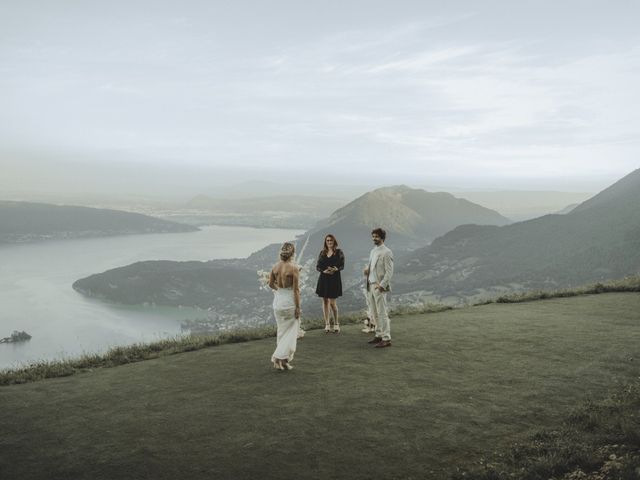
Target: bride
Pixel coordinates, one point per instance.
(283, 281)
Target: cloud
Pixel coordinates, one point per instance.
(492, 100)
(446, 93)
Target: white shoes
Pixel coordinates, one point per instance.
(282, 366)
(369, 327)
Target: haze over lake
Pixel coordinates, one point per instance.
(36, 294)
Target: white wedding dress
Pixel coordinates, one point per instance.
(284, 309)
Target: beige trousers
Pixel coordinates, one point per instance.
(378, 307)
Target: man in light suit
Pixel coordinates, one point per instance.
(377, 276)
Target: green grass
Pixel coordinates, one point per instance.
(627, 284)
(599, 440)
(127, 354)
(170, 346)
(455, 387)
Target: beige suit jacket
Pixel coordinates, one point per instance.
(383, 269)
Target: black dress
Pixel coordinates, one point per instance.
(330, 286)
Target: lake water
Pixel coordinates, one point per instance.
(36, 294)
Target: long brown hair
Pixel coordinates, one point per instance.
(325, 248)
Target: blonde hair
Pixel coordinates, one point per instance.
(286, 251)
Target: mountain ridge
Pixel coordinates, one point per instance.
(30, 221)
(598, 240)
(412, 217)
(627, 187)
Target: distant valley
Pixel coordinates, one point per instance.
(278, 211)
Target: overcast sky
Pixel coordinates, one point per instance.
(496, 94)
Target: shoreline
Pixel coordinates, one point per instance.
(145, 351)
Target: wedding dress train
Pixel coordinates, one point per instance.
(284, 309)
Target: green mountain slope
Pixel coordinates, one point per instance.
(23, 221)
(455, 386)
(411, 217)
(598, 240)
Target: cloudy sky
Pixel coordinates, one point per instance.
(486, 94)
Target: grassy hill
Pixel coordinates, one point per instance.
(456, 387)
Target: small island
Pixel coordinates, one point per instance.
(16, 336)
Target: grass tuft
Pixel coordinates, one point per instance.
(627, 284)
(597, 441)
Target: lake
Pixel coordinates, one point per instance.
(36, 294)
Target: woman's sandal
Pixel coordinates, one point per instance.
(336, 328)
(326, 328)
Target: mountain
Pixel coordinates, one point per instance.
(567, 209)
(411, 217)
(623, 196)
(597, 240)
(24, 222)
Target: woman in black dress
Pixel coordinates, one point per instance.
(330, 263)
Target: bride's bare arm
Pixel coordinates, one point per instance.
(296, 290)
(272, 281)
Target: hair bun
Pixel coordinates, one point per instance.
(286, 251)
